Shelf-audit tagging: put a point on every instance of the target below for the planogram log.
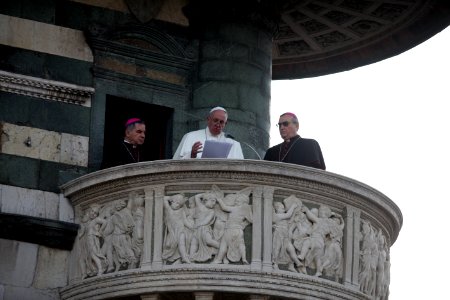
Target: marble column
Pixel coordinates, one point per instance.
(235, 66)
(148, 228)
(267, 228)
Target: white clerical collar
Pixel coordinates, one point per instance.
(209, 135)
(127, 142)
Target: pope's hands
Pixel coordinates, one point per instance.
(196, 148)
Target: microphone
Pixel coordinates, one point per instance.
(227, 135)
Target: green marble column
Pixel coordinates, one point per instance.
(234, 68)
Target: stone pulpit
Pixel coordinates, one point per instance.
(197, 229)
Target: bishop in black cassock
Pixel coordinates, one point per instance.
(295, 149)
(128, 150)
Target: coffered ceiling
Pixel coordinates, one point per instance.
(318, 37)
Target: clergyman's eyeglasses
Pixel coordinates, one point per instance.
(221, 122)
(285, 124)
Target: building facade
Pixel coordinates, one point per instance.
(72, 72)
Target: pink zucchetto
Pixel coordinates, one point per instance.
(289, 114)
(131, 121)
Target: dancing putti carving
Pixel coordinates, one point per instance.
(232, 244)
(374, 270)
(306, 238)
(111, 237)
(92, 261)
(208, 228)
(283, 251)
(179, 227)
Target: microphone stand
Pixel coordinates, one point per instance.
(253, 149)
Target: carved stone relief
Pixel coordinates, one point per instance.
(263, 228)
(307, 238)
(111, 236)
(374, 271)
(208, 228)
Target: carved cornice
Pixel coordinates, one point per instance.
(263, 173)
(285, 284)
(45, 89)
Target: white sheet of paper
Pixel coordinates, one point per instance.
(215, 149)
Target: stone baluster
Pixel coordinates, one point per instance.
(267, 228)
(159, 225)
(148, 228)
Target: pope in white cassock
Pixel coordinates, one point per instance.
(192, 143)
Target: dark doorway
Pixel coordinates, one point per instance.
(158, 120)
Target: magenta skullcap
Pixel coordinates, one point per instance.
(217, 108)
(289, 114)
(132, 121)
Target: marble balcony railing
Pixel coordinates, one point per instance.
(221, 226)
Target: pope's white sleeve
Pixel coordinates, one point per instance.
(181, 151)
(236, 151)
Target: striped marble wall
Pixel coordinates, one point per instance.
(46, 94)
(52, 102)
(45, 98)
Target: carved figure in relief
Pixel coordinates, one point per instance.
(381, 286)
(92, 261)
(374, 277)
(221, 216)
(118, 243)
(332, 261)
(203, 246)
(367, 262)
(232, 245)
(384, 294)
(136, 204)
(300, 231)
(177, 236)
(282, 248)
(313, 249)
(107, 247)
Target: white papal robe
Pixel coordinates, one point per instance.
(189, 139)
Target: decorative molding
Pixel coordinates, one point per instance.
(45, 89)
(209, 278)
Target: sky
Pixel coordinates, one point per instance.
(387, 125)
